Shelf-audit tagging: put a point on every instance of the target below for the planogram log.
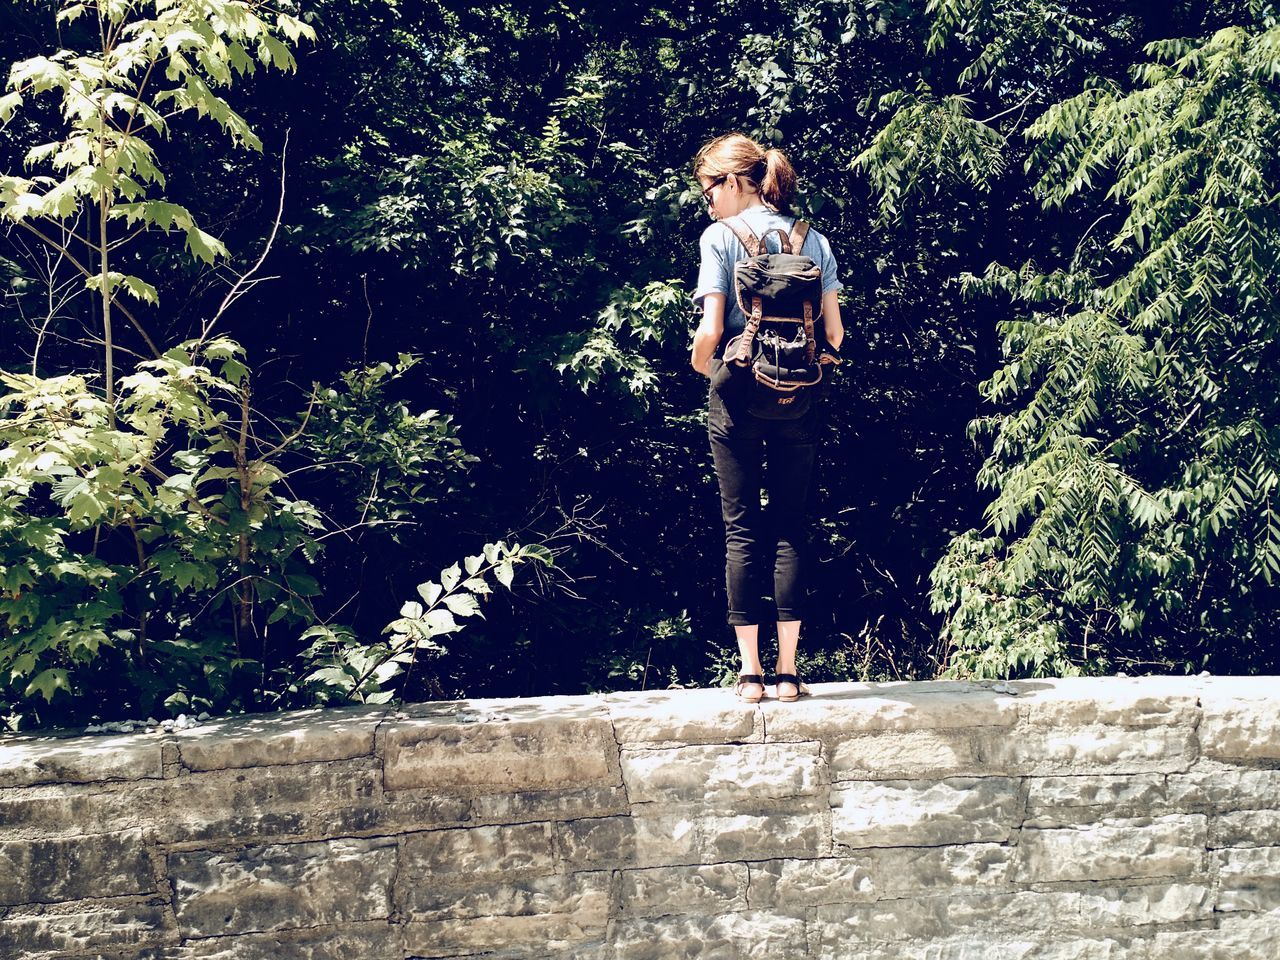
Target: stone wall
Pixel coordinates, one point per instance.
(1119, 819)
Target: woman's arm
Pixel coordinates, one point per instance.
(710, 330)
(831, 323)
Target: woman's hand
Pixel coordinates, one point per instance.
(710, 330)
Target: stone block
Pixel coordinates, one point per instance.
(1215, 787)
(708, 889)
(1096, 913)
(282, 886)
(529, 805)
(904, 754)
(83, 926)
(1128, 702)
(896, 813)
(838, 710)
(682, 717)
(1240, 728)
(1053, 801)
(419, 897)
(74, 868)
(1245, 828)
(30, 760)
(1044, 750)
(545, 935)
(1240, 937)
(880, 874)
(72, 810)
(1172, 846)
(492, 755)
(985, 947)
(265, 740)
(374, 940)
(730, 936)
(1249, 880)
(724, 774)
(477, 855)
(666, 836)
(307, 800)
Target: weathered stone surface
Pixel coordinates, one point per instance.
(308, 800)
(1079, 820)
(1171, 846)
(282, 886)
(529, 805)
(1239, 727)
(710, 889)
(477, 854)
(682, 716)
(377, 940)
(75, 809)
(879, 874)
(733, 936)
(837, 710)
(25, 761)
(1249, 879)
(1129, 702)
(1245, 828)
(551, 933)
(903, 754)
(493, 754)
(1211, 786)
(84, 926)
(672, 836)
(896, 813)
(1237, 938)
(1097, 912)
(1044, 750)
(1053, 801)
(73, 868)
(264, 740)
(987, 948)
(583, 894)
(724, 774)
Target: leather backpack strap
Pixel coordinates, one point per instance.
(810, 344)
(749, 334)
(784, 242)
(746, 236)
(799, 230)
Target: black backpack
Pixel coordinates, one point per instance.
(781, 295)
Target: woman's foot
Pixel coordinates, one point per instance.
(750, 687)
(787, 685)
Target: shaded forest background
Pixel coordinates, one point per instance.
(487, 234)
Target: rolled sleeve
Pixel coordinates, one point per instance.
(827, 261)
(715, 273)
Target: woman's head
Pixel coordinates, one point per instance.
(746, 168)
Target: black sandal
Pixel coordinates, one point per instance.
(793, 679)
(745, 680)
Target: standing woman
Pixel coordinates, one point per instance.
(740, 178)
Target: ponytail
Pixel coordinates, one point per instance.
(768, 171)
(779, 180)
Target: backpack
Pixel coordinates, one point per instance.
(781, 295)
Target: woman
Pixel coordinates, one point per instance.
(740, 178)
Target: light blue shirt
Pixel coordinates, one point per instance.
(720, 250)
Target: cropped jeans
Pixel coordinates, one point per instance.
(751, 454)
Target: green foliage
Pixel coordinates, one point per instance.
(343, 669)
(380, 456)
(1137, 479)
(148, 551)
(612, 352)
(928, 140)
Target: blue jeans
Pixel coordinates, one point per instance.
(751, 454)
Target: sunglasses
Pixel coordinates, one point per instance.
(706, 194)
